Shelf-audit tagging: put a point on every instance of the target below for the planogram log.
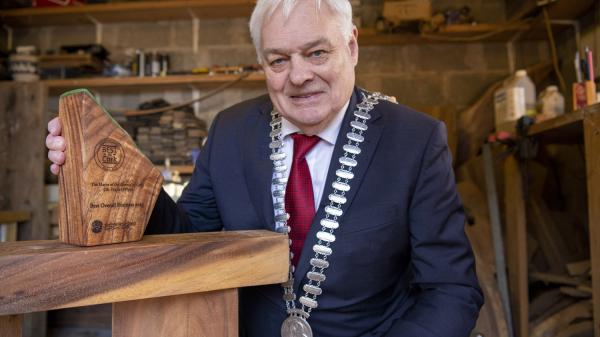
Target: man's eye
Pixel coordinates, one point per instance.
(277, 62)
(317, 53)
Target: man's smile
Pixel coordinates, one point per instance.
(305, 97)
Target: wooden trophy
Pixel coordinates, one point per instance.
(107, 186)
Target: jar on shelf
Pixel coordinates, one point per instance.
(24, 64)
(551, 103)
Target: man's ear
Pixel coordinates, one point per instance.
(353, 45)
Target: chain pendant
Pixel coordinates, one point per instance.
(296, 326)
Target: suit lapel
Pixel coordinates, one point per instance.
(368, 148)
(258, 168)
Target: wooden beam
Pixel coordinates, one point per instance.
(492, 320)
(579, 268)
(591, 128)
(45, 275)
(539, 307)
(577, 329)
(23, 120)
(22, 166)
(558, 279)
(560, 320)
(10, 326)
(577, 292)
(516, 246)
(211, 314)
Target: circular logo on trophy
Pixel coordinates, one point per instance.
(109, 154)
(97, 226)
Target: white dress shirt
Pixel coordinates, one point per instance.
(319, 157)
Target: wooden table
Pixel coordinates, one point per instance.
(179, 285)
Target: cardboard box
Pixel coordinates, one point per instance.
(407, 10)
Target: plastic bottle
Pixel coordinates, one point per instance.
(551, 103)
(515, 99)
(521, 80)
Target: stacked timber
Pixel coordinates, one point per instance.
(173, 134)
(558, 248)
(551, 286)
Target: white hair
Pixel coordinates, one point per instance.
(342, 12)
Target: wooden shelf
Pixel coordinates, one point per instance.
(563, 129)
(14, 216)
(580, 126)
(121, 83)
(449, 34)
(113, 12)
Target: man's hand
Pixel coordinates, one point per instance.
(56, 145)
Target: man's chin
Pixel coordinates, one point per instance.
(305, 115)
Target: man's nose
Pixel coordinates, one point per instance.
(300, 71)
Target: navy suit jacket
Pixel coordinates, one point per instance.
(401, 264)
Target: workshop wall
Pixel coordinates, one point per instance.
(425, 76)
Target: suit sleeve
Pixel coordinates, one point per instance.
(196, 210)
(448, 296)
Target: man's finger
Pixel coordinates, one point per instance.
(57, 157)
(54, 127)
(54, 169)
(55, 143)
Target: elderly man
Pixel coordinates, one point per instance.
(363, 186)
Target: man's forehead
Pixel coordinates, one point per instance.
(272, 48)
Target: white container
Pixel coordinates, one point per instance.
(521, 80)
(515, 99)
(509, 105)
(551, 103)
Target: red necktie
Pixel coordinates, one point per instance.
(299, 199)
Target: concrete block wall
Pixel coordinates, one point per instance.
(421, 75)
(433, 74)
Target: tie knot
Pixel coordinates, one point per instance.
(303, 144)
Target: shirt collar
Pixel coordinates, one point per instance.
(329, 134)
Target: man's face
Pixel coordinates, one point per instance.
(309, 65)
